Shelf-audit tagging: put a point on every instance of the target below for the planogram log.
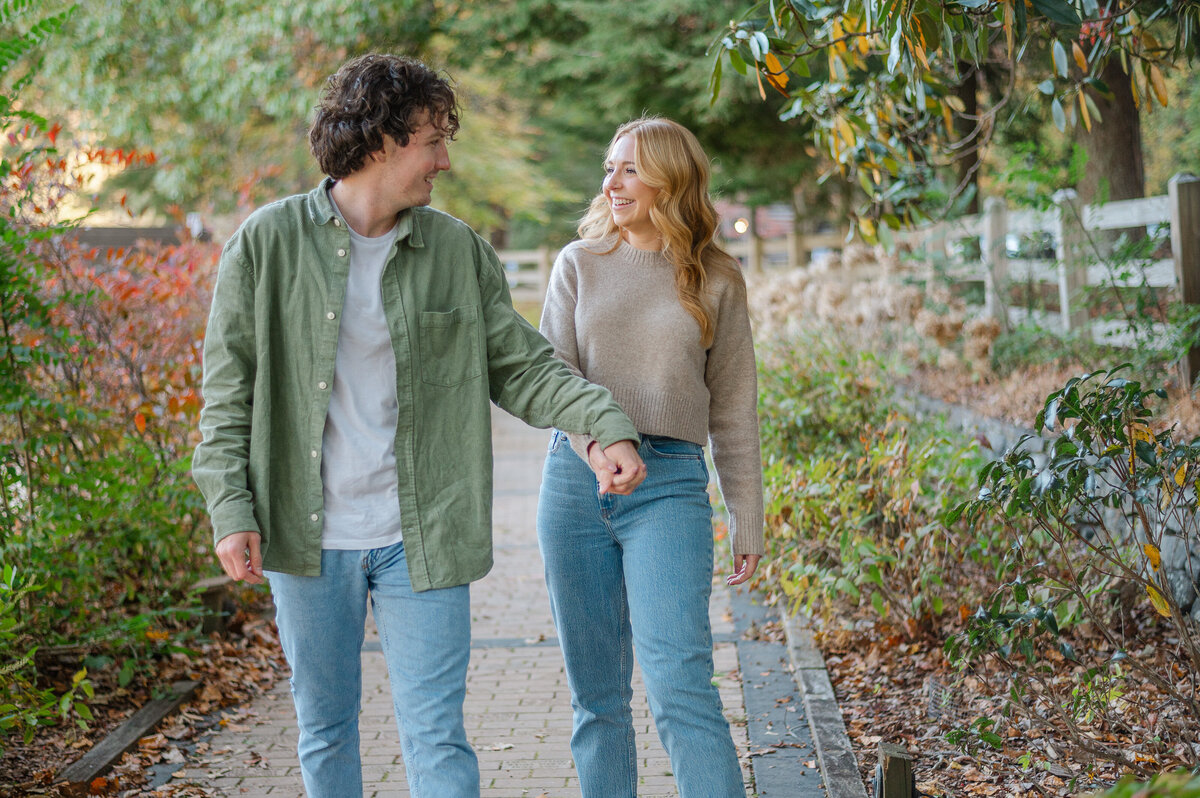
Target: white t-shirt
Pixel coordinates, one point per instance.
(358, 466)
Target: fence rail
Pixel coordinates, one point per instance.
(1065, 233)
(528, 270)
(1060, 233)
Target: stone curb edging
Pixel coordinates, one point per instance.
(835, 754)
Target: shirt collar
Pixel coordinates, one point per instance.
(322, 212)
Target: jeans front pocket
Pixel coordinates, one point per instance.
(673, 448)
(450, 346)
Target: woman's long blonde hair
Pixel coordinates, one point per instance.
(669, 158)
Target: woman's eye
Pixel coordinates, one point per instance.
(608, 170)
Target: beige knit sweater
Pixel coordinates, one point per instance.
(616, 319)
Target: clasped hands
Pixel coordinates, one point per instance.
(618, 468)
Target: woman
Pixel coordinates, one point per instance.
(649, 306)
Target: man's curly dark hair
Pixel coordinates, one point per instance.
(372, 96)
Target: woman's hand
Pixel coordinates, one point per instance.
(744, 566)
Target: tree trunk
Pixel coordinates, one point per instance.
(1115, 167)
(966, 164)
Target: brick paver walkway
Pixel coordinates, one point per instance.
(518, 710)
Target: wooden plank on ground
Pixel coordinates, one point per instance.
(105, 753)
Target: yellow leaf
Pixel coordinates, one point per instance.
(1083, 110)
(1181, 474)
(919, 52)
(1152, 555)
(846, 132)
(1159, 85)
(1080, 58)
(1137, 97)
(867, 226)
(1160, 603)
(1149, 41)
(836, 34)
(776, 75)
(1009, 24)
(1137, 430)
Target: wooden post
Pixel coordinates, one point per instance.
(797, 251)
(544, 264)
(754, 259)
(895, 772)
(1183, 191)
(799, 254)
(214, 595)
(995, 259)
(934, 247)
(1072, 272)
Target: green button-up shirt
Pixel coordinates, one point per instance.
(268, 372)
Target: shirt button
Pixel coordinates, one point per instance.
(337, 222)
(314, 517)
(331, 315)
(313, 452)
(341, 253)
(322, 385)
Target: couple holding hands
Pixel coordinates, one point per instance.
(355, 342)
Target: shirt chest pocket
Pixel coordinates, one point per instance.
(450, 346)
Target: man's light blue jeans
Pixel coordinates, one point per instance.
(633, 574)
(426, 640)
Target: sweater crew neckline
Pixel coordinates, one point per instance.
(641, 257)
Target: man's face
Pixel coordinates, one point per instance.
(409, 171)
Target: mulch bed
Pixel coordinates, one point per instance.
(233, 668)
(894, 691)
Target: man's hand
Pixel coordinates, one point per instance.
(618, 468)
(744, 566)
(241, 557)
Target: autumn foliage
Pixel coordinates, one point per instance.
(99, 521)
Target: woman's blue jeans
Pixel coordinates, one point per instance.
(633, 574)
(426, 639)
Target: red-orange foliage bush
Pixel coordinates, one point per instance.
(100, 523)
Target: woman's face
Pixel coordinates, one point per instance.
(629, 198)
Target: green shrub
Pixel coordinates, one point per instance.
(1089, 525)
(99, 365)
(816, 395)
(1180, 784)
(857, 491)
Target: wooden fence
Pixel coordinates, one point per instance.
(529, 269)
(978, 248)
(981, 248)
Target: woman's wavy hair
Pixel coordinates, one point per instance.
(668, 157)
(372, 96)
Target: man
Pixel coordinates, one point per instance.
(354, 342)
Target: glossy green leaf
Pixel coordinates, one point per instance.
(1059, 56)
(738, 63)
(1057, 11)
(1060, 116)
